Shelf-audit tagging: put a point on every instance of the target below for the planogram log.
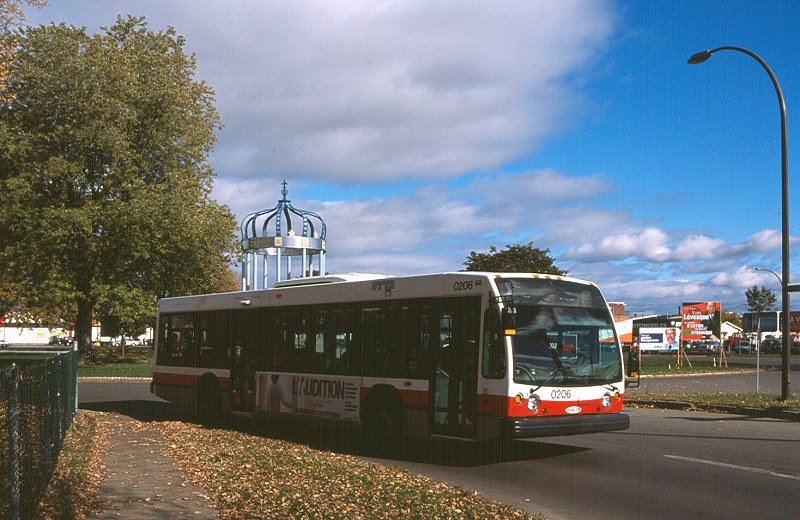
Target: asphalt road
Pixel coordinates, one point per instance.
(767, 380)
(128, 398)
(669, 464)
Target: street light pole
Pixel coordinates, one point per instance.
(758, 351)
(700, 57)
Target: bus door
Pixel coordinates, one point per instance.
(244, 357)
(455, 375)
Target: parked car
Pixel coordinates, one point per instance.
(692, 347)
(771, 346)
(708, 347)
(130, 342)
(744, 346)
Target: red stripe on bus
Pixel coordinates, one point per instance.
(414, 398)
(549, 408)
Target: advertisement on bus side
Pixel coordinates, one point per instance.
(333, 397)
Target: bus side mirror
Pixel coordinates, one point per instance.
(633, 362)
(509, 320)
(632, 367)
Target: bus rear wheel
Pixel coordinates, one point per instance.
(382, 424)
(208, 400)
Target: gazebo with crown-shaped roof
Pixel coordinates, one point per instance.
(269, 234)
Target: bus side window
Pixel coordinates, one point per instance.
(212, 338)
(280, 360)
(371, 341)
(494, 359)
(398, 338)
(163, 339)
(202, 346)
(300, 355)
(345, 352)
(178, 340)
(424, 345)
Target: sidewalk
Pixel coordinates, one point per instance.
(139, 482)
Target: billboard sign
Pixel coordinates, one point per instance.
(794, 322)
(658, 339)
(700, 321)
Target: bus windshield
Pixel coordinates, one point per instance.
(564, 334)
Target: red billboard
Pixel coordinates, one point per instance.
(794, 322)
(700, 321)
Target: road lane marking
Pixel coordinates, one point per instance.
(734, 466)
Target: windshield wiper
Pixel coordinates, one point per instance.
(556, 359)
(561, 369)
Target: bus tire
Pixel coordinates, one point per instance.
(383, 421)
(208, 400)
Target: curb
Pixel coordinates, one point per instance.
(769, 413)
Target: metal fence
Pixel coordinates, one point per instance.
(37, 403)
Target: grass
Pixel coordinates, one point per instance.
(758, 401)
(108, 362)
(656, 365)
(7, 358)
(251, 476)
(127, 369)
(666, 365)
(255, 477)
(112, 362)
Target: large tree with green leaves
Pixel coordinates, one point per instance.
(513, 259)
(12, 15)
(760, 299)
(104, 175)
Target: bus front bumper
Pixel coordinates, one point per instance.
(532, 427)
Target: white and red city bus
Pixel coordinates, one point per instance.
(471, 355)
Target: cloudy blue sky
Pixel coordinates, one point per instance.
(421, 131)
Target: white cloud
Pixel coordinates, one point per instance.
(369, 91)
(438, 93)
(650, 243)
(548, 207)
(656, 245)
(696, 247)
(566, 225)
(436, 226)
(743, 278)
(530, 189)
(765, 240)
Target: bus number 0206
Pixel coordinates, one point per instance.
(462, 286)
(561, 394)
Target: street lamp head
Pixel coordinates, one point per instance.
(786, 286)
(699, 57)
(770, 271)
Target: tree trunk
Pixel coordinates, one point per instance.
(83, 322)
(83, 329)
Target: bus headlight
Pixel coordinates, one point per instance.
(533, 403)
(606, 400)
